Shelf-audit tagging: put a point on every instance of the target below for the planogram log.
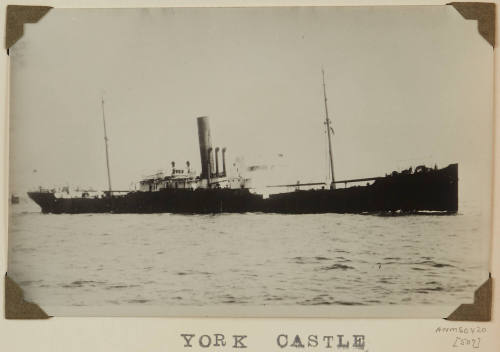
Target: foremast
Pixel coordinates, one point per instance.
(106, 146)
(329, 130)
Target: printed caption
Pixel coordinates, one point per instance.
(281, 341)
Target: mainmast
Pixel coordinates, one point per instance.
(329, 129)
(106, 144)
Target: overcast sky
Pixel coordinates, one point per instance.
(406, 86)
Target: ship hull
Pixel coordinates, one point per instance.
(433, 190)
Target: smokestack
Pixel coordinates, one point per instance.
(217, 161)
(224, 161)
(205, 141)
(210, 158)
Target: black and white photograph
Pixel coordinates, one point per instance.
(280, 161)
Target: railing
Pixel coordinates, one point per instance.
(353, 180)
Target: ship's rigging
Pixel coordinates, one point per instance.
(329, 129)
(106, 145)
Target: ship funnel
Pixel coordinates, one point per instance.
(205, 141)
(188, 165)
(217, 161)
(224, 162)
(210, 158)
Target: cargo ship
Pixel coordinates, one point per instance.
(215, 190)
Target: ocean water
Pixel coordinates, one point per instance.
(95, 260)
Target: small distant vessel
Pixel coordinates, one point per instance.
(215, 191)
(14, 199)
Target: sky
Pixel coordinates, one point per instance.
(405, 85)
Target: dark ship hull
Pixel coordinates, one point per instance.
(430, 190)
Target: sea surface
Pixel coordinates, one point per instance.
(246, 259)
